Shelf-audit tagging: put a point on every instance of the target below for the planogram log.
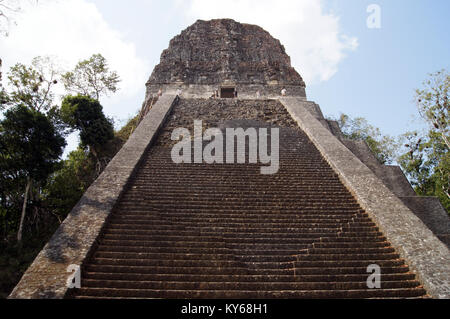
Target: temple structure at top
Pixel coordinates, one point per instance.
(227, 59)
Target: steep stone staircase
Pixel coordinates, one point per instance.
(226, 231)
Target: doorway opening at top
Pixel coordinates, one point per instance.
(228, 92)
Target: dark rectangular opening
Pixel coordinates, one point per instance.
(227, 93)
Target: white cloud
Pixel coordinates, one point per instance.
(73, 30)
(312, 37)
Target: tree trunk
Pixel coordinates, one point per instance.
(24, 209)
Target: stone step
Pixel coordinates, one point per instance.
(192, 223)
(293, 212)
(239, 197)
(277, 294)
(225, 223)
(242, 286)
(262, 249)
(202, 247)
(255, 238)
(224, 228)
(245, 255)
(242, 278)
(273, 214)
(245, 232)
(190, 253)
(236, 245)
(199, 202)
(318, 261)
(315, 268)
(232, 189)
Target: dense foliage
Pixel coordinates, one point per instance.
(92, 78)
(382, 146)
(30, 148)
(37, 188)
(425, 158)
(85, 115)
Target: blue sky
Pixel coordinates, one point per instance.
(348, 67)
(378, 80)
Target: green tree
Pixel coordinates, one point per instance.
(383, 147)
(33, 85)
(426, 162)
(86, 115)
(3, 98)
(91, 78)
(30, 149)
(426, 158)
(413, 161)
(433, 104)
(32, 88)
(57, 196)
(66, 186)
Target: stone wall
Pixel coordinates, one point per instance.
(392, 176)
(432, 213)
